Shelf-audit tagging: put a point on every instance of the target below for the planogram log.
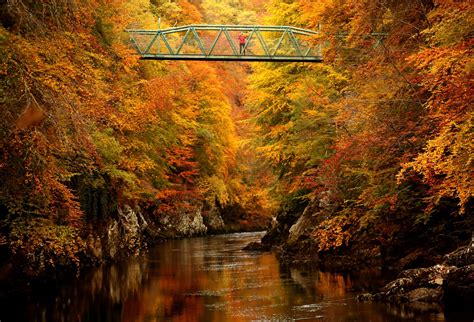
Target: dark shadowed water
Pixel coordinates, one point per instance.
(207, 279)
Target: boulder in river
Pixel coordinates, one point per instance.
(446, 284)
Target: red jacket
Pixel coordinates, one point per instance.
(242, 39)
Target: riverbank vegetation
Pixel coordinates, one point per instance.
(365, 158)
(373, 148)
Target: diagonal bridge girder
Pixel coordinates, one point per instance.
(220, 43)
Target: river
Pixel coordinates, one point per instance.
(206, 279)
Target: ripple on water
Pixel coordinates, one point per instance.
(310, 307)
(315, 317)
(210, 293)
(273, 317)
(217, 306)
(221, 267)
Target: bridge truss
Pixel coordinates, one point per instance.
(221, 43)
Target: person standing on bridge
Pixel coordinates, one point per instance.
(242, 42)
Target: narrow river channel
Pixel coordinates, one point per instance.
(206, 279)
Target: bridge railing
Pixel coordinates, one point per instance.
(221, 42)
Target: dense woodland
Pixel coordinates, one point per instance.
(376, 143)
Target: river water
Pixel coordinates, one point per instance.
(206, 279)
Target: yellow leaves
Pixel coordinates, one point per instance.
(333, 233)
(40, 239)
(119, 15)
(215, 187)
(122, 177)
(228, 12)
(446, 69)
(138, 165)
(130, 60)
(109, 116)
(283, 13)
(312, 10)
(447, 163)
(272, 153)
(107, 145)
(451, 22)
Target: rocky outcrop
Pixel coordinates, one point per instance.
(450, 283)
(132, 223)
(321, 231)
(302, 226)
(459, 284)
(119, 236)
(213, 221)
(418, 284)
(288, 214)
(289, 231)
(184, 224)
(458, 288)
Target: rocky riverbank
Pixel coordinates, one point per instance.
(314, 231)
(126, 231)
(449, 284)
(399, 243)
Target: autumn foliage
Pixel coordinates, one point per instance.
(380, 133)
(86, 127)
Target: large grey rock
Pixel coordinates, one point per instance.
(192, 224)
(132, 225)
(300, 228)
(184, 224)
(424, 294)
(446, 283)
(113, 238)
(419, 284)
(311, 216)
(213, 220)
(431, 276)
(124, 235)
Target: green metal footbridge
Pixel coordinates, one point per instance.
(221, 43)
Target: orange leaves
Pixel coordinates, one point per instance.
(446, 164)
(190, 14)
(350, 127)
(35, 182)
(333, 233)
(97, 121)
(448, 80)
(446, 69)
(45, 244)
(43, 16)
(180, 160)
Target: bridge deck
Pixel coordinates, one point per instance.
(246, 58)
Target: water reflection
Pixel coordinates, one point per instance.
(207, 279)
